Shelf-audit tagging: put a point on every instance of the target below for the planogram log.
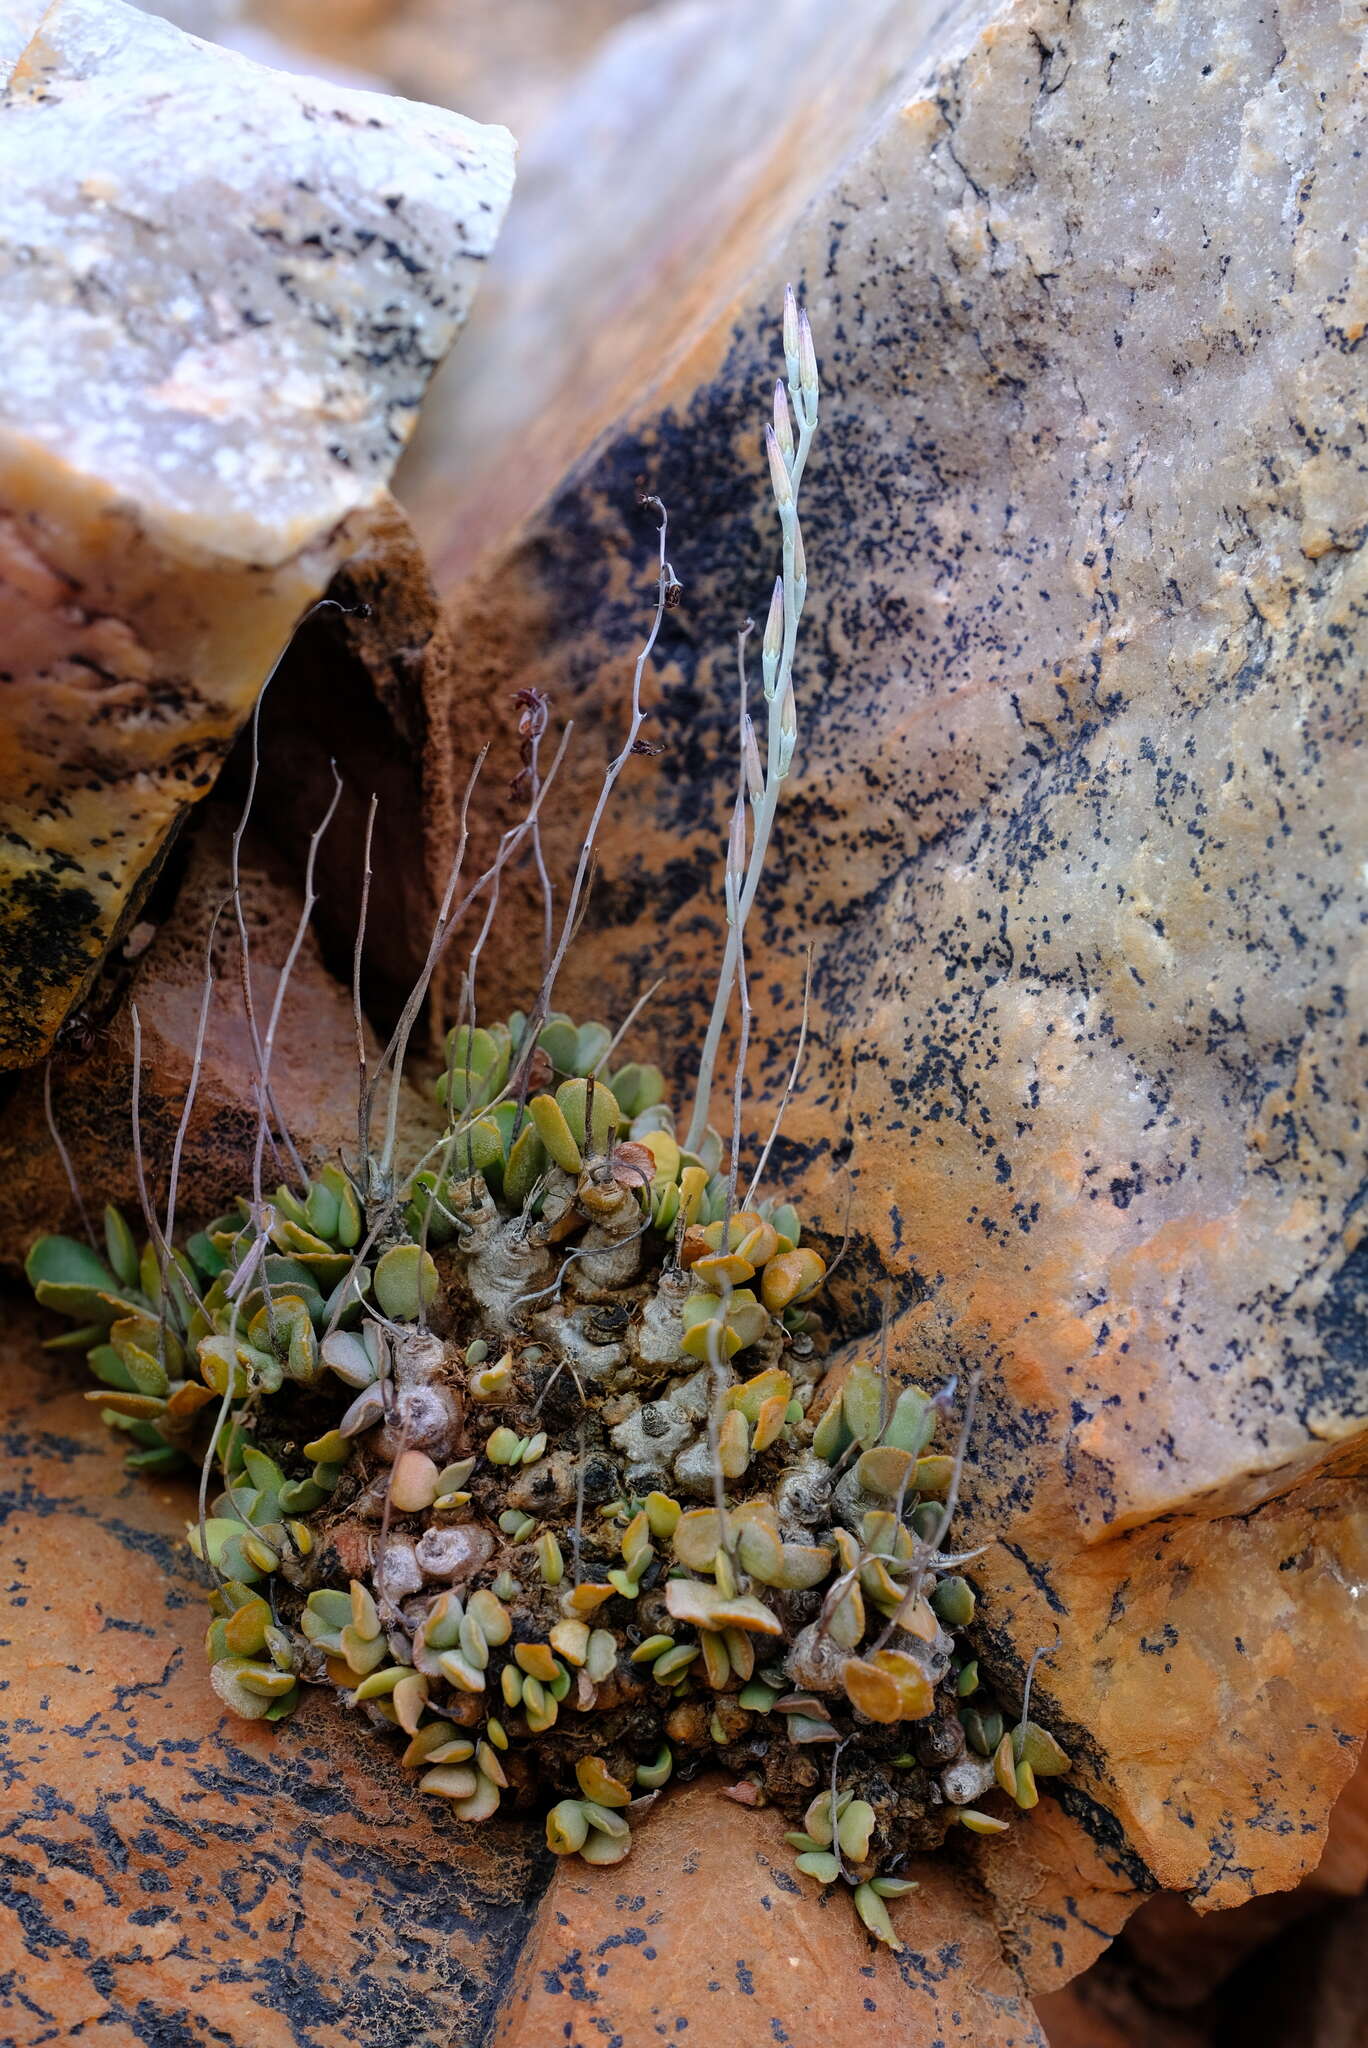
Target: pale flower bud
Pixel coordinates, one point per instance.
(750, 755)
(780, 479)
(788, 730)
(783, 424)
(736, 847)
(790, 322)
(775, 623)
(807, 360)
(734, 873)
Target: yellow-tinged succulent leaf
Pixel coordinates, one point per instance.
(733, 1444)
(805, 1565)
(573, 1100)
(527, 1161)
(791, 1277)
(566, 1828)
(887, 1471)
(863, 1402)
(753, 1393)
(771, 1422)
(1035, 1746)
(874, 1914)
(933, 1475)
(553, 1128)
(597, 1783)
(603, 1850)
(871, 1691)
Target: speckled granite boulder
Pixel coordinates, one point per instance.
(1078, 836)
(222, 292)
(1076, 833)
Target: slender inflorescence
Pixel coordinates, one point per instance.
(665, 584)
(787, 461)
(527, 1449)
(358, 1012)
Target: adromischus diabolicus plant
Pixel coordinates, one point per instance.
(524, 1450)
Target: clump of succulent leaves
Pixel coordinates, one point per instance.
(528, 1455)
(471, 1485)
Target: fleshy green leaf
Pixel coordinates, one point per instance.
(405, 1282)
(120, 1244)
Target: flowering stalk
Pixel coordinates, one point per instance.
(787, 460)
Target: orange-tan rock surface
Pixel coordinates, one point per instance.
(1276, 1972)
(1073, 834)
(171, 1876)
(313, 1070)
(708, 1936)
(1182, 1957)
(174, 1872)
(189, 444)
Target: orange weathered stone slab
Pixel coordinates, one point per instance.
(178, 1875)
(1178, 1977)
(707, 1935)
(314, 1066)
(1209, 1681)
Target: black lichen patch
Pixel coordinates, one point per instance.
(51, 934)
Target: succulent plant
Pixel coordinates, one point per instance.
(475, 1524)
(528, 1455)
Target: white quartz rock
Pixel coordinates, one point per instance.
(223, 290)
(222, 293)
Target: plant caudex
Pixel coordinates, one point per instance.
(527, 1454)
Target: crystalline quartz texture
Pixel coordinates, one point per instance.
(222, 293)
(238, 345)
